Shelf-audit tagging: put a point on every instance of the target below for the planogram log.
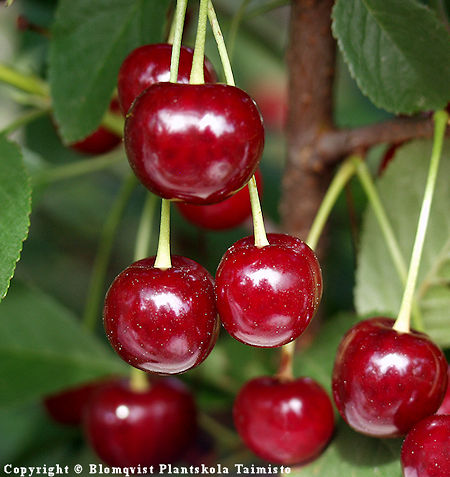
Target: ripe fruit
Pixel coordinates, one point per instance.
(445, 406)
(67, 407)
(128, 428)
(266, 296)
(194, 143)
(284, 422)
(227, 214)
(426, 448)
(150, 64)
(385, 381)
(100, 141)
(163, 321)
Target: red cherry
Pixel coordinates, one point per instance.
(426, 448)
(101, 140)
(385, 381)
(150, 64)
(284, 422)
(163, 321)
(128, 428)
(226, 214)
(67, 407)
(194, 143)
(445, 406)
(265, 296)
(271, 96)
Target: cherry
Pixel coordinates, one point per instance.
(128, 428)
(67, 407)
(426, 448)
(445, 406)
(101, 140)
(194, 143)
(272, 98)
(385, 381)
(267, 296)
(163, 321)
(287, 422)
(150, 64)
(224, 215)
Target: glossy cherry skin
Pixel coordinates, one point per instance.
(227, 214)
(150, 64)
(194, 143)
(101, 140)
(445, 406)
(284, 422)
(385, 381)
(128, 428)
(163, 321)
(67, 407)
(266, 296)
(426, 448)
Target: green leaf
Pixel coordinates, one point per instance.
(89, 42)
(15, 200)
(378, 288)
(354, 455)
(398, 52)
(44, 349)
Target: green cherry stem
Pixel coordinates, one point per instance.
(163, 255)
(234, 27)
(177, 27)
(340, 179)
(386, 229)
(197, 75)
(25, 82)
(108, 233)
(258, 220)
(225, 60)
(138, 378)
(402, 322)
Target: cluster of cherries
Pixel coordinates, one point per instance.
(199, 145)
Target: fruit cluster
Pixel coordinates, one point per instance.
(199, 145)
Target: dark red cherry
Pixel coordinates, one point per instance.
(445, 406)
(150, 64)
(384, 381)
(67, 407)
(128, 428)
(284, 422)
(426, 448)
(100, 141)
(163, 321)
(265, 296)
(194, 143)
(227, 214)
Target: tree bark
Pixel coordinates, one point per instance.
(311, 63)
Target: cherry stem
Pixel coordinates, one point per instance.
(344, 174)
(234, 27)
(139, 382)
(340, 179)
(144, 231)
(225, 60)
(78, 168)
(163, 255)
(197, 75)
(177, 26)
(29, 83)
(108, 233)
(402, 322)
(386, 229)
(23, 120)
(258, 220)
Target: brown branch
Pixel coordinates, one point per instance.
(311, 62)
(334, 145)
